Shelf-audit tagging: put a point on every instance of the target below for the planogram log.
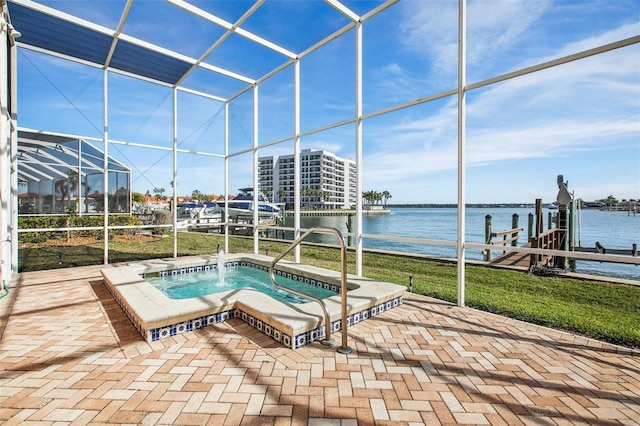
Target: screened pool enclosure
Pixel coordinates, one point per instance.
(112, 103)
(59, 174)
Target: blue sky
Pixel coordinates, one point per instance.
(580, 119)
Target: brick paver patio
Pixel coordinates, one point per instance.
(68, 355)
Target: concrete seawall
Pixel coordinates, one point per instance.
(340, 212)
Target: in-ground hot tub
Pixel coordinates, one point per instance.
(157, 316)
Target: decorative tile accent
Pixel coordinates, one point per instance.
(185, 326)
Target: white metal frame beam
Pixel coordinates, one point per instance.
(256, 215)
(296, 157)
(462, 89)
(234, 28)
(105, 186)
(31, 177)
(174, 181)
(8, 179)
(358, 145)
(344, 10)
(114, 42)
(49, 167)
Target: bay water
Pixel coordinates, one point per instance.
(612, 229)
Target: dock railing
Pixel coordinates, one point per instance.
(509, 237)
(548, 240)
(506, 240)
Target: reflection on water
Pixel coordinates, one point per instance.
(611, 229)
(308, 222)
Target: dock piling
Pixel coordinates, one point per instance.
(487, 236)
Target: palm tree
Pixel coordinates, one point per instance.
(326, 196)
(367, 197)
(385, 197)
(66, 187)
(311, 193)
(159, 193)
(317, 195)
(196, 195)
(281, 194)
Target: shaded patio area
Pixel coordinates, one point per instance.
(68, 355)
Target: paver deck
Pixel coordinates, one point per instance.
(68, 355)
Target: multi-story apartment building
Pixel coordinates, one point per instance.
(327, 181)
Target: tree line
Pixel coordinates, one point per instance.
(375, 197)
(613, 201)
(369, 197)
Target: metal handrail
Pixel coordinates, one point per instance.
(327, 320)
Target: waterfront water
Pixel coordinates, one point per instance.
(611, 229)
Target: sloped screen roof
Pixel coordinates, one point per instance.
(146, 39)
(141, 61)
(43, 156)
(60, 36)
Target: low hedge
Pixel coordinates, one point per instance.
(31, 222)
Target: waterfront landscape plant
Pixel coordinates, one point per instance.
(592, 308)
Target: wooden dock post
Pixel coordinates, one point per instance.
(515, 220)
(349, 229)
(487, 236)
(563, 200)
(535, 241)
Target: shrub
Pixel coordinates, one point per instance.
(73, 221)
(162, 218)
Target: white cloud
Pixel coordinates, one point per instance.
(619, 33)
(560, 112)
(431, 28)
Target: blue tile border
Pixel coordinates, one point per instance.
(190, 325)
(187, 270)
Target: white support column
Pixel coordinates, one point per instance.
(256, 218)
(8, 190)
(358, 76)
(296, 157)
(462, 81)
(80, 199)
(7, 220)
(174, 203)
(13, 142)
(226, 176)
(105, 183)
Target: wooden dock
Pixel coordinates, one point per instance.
(550, 240)
(513, 259)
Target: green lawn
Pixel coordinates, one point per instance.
(608, 312)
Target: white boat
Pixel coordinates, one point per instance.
(242, 206)
(198, 215)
